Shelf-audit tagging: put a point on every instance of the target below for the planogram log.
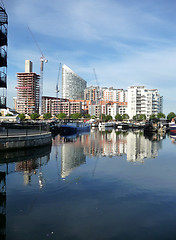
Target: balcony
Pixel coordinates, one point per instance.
(3, 58)
(3, 80)
(3, 37)
(3, 16)
(2, 102)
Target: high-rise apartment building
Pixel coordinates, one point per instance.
(144, 101)
(28, 90)
(114, 95)
(92, 93)
(3, 56)
(72, 85)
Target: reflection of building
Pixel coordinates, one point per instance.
(30, 167)
(72, 85)
(107, 143)
(72, 156)
(28, 90)
(113, 143)
(139, 147)
(3, 56)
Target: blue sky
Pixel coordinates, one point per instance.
(128, 42)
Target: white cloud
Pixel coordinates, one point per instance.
(128, 43)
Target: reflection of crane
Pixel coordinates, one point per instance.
(57, 89)
(42, 60)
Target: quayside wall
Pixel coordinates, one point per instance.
(15, 142)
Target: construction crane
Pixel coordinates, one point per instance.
(98, 97)
(42, 61)
(57, 84)
(57, 88)
(99, 100)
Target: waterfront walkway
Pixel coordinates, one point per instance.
(20, 132)
(23, 138)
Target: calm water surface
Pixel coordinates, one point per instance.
(102, 185)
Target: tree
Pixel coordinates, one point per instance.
(142, 117)
(47, 116)
(76, 115)
(0, 114)
(125, 116)
(161, 115)
(87, 115)
(135, 117)
(102, 117)
(108, 117)
(21, 116)
(9, 114)
(105, 118)
(170, 116)
(153, 117)
(139, 117)
(61, 115)
(118, 117)
(34, 116)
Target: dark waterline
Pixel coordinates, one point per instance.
(102, 185)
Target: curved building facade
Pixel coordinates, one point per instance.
(72, 85)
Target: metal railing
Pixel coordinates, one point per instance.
(16, 130)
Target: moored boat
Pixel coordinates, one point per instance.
(172, 126)
(73, 128)
(105, 124)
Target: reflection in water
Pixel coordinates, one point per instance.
(114, 197)
(135, 146)
(2, 205)
(27, 161)
(72, 156)
(34, 163)
(173, 138)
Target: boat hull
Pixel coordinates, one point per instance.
(172, 127)
(66, 130)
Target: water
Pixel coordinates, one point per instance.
(102, 185)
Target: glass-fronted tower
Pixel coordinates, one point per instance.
(3, 56)
(72, 85)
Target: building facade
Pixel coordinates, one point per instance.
(144, 101)
(58, 105)
(114, 95)
(72, 85)
(3, 57)
(28, 90)
(93, 94)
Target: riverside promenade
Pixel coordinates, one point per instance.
(11, 139)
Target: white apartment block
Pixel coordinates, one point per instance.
(95, 110)
(143, 101)
(111, 109)
(114, 95)
(72, 85)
